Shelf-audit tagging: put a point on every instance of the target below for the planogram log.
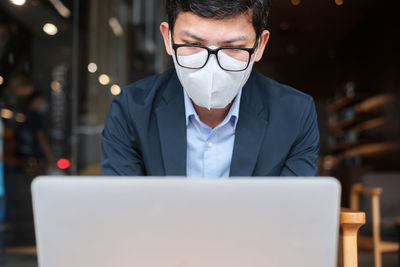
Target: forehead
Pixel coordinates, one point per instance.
(214, 30)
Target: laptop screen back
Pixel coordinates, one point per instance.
(175, 222)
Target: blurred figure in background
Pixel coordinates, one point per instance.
(33, 149)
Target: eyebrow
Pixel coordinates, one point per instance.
(192, 35)
(234, 39)
(228, 41)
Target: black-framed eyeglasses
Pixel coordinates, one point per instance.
(195, 56)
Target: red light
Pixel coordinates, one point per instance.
(63, 164)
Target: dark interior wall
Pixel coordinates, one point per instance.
(318, 47)
(371, 52)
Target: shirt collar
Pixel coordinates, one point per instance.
(232, 116)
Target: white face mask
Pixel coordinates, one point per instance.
(211, 86)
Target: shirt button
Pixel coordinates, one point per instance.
(209, 144)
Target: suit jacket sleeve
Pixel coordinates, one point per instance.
(121, 154)
(302, 158)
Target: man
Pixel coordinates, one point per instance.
(211, 115)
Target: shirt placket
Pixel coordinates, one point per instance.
(209, 155)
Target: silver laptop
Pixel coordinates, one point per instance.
(177, 222)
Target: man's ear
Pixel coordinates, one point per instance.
(164, 29)
(263, 42)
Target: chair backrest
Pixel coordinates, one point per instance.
(389, 202)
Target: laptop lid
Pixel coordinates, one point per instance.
(175, 222)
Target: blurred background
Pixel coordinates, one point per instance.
(62, 62)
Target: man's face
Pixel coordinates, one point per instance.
(192, 29)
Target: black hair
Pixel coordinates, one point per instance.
(221, 9)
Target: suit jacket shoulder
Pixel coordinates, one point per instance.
(144, 92)
(275, 92)
(136, 123)
(290, 139)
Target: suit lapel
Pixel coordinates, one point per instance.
(172, 128)
(250, 131)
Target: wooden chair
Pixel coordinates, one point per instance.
(375, 243)
(350, 222)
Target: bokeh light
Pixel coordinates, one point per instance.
(115, 89)
(104, 79)
(50, 29)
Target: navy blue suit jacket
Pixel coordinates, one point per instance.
(145, 131)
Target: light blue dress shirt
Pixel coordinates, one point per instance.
(209, 151)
